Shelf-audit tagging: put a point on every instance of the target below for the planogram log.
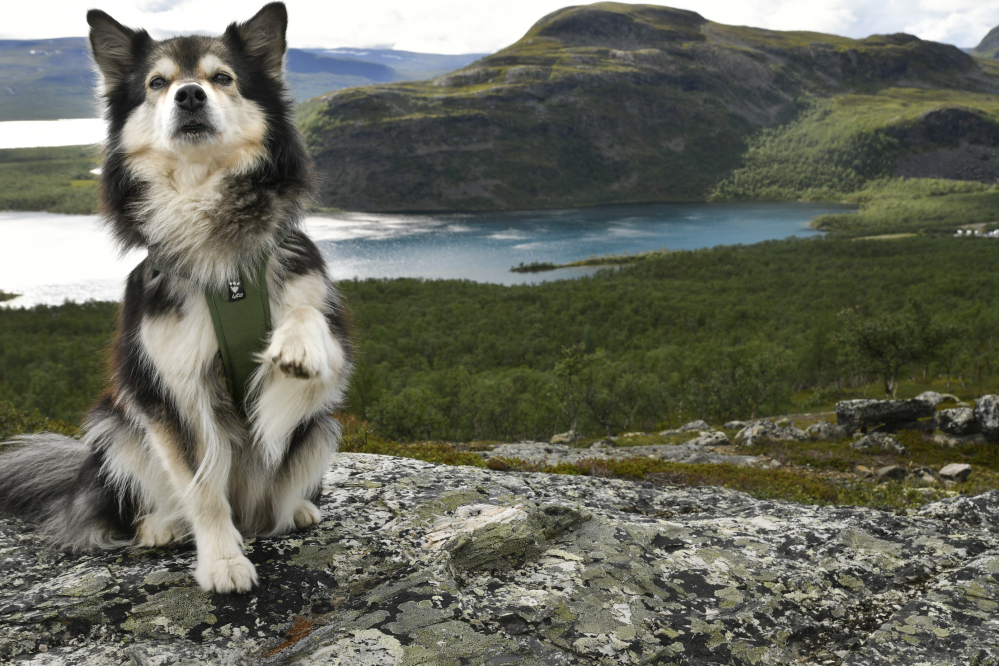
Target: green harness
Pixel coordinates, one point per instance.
(241, 316)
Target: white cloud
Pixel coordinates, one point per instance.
(459, 26)
(158, 6)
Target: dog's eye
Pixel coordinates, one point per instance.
(157, 83)
(222, 79)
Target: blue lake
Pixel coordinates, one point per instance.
(484, 246)
(51, 258)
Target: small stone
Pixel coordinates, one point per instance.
(889, 473)
(695, 425)
(824, 431)
(922, 475)
(956, 472)
(497, 464)
(565, 437)
(710, 439)
(879, 441)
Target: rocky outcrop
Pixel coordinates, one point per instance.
(854, 415)
(761, 432)
(987, 415)
(422, 564)
(824, 431)
(958, 421)
(879, 441)
(696, 451)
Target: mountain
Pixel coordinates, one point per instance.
(989, 46)
(610, 103)
(53, 78)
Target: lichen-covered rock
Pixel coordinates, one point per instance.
(565, 437)
(958, 421)
(734, 425)
(879, 441)
(956, 472)
(699, 424)
(692, 452)
(761, 432)
(854, 415)
(987, 415)
(715, 438)
(592, 571)
(824, 431)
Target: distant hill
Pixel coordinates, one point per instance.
(989, 46)
(52, 78)
(611, 102)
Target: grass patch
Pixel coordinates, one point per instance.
(55, 180)
(14, 422)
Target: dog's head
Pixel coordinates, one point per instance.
(191, 95)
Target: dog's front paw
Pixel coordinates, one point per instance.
(297, 348)
(307, 514)
(235, 574)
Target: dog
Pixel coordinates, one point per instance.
(204, 167)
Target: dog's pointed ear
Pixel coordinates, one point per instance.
(114, 46)
(263, 36)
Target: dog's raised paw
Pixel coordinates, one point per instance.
(235, 574)
(296, 355)
(307, 514)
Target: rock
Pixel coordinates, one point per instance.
(824, 431)
(715, 438)
(922, 475)
(957, 421)
(427, 564)
(692, 452)
(761, 432)
(931, 397)
(602, 444)
(987, 415)
(734, 425)
(889, 473)
(669, 433)
(925, 426)
(956, 472)
(879, 441)
(855, 415)
(695, 425)
(862, 471)
(565, 437)
(633, 434)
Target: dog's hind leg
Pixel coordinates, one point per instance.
(201, 493)
(299, 478)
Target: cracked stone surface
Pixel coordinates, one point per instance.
(417, 563)
(694, 451)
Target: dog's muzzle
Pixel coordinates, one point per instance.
(190, 100)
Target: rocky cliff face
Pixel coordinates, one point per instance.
(423, 564)
(598, 104)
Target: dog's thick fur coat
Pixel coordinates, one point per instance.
(205, 168)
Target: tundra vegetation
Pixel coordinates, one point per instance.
(890, 302)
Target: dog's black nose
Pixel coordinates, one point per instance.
(190, 97)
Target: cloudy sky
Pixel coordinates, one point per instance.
(483, 26)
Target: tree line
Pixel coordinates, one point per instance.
(730, 332)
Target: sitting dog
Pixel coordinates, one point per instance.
(204, 167)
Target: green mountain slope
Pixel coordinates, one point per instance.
(607, 103)
(989, 46)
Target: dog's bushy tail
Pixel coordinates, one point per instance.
(57, 481)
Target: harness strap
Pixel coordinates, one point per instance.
(241, 316)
